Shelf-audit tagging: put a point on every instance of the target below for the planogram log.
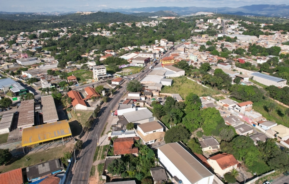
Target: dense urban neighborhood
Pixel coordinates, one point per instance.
(199, 99)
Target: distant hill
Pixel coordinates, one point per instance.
(158, 13)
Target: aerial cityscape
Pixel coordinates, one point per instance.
(143, 92)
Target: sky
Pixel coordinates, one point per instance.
(96, 5)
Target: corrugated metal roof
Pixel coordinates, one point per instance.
(49, 110)
(26, 114)
(138, 115)
(45, 132)
(268, 77)
(6, 121)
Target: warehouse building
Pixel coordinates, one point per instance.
(5, 123)
(26, 114)
(268, 80)
(49, 110)
(182, 166)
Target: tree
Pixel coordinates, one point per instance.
(147, 180)
(176, 133)
(116, 167)
(205, 67)
(88, 124)
(229, 178)
(134, 86)
(5, 156)
(28, 96)
(5, 102)
(237, 80)
(212, 122)
(227, 133)
(158, 110)
(195, 146)
(78, 145)
(130, 126)
(271, 106)
(287, 112)
(99, 89)
(62, 84)
(199, 134)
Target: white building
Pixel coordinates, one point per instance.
(269, 80)
(266, 125)
(5, 123)
(181, 164)
(28, 61)
(166, 82)
(99, 71)
(150, 132)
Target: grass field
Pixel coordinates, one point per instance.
(130, 70)
(82, 75)
(36, 158)
(3, 138)
(81, 116)
(277, 115)
(184, 86)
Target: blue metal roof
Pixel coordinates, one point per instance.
(268, 77)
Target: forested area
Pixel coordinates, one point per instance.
(258, 50)
(280, 94)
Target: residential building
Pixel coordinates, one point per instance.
(90, 93)
(243, 107)
(77, 100)
(102, 58)
(209, 144)
(6, 122)
(72, 79)
(223, 163)
(183, 166)
(49, 109)
(146, 55)
(117, 81)
(159, 175)
(122, 146)
(244, 129)
(45, 83)
(13, 177)
(266, 125)
(151, 132)
(139, 116)
(224, 66)
(37, 172)
(281, 132)
(254, 116)
(13, 86)
(268, 80)
(140, 61)
(168, 60)
(258, 137)
(227, 103)
(234, 121)
(26, 114)
(99, 71)
(133, 95)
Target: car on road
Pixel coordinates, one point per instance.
(266, 182)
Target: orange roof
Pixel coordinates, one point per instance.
(71, 78)
(168, 58)
(123, 146)
(106, 56)
(90, 93)
(76, 98)
(203, 160)
(119, 79)
(225, 160)
(12, 177)
(245, 103)
(51, 180)
(175, 54)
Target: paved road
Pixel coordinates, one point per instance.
(281, 180)
(224, 27)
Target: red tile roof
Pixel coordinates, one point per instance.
(123, 146)
(245, 103)
(71, 78)
(90, 93)
(225, 160)
(203, 160)
(126, 101)
(12, 177)
(168, 58)
(119, 79)
(50, 180)
(76, 98)
(242, 61)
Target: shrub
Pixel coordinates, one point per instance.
(229, 178)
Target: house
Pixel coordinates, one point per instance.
(266, 125)
(223, 163)
(168, 60)
(117, 81)
(243, 107)
(99, 71)
(159, 175)
(72, 79)
(224, 66)
(77, 100)
(209, 144)
(233, 121)
(102, 58)
(281, 132)
(133, 96)
(242, 61)
(9, 84)
(39, 171)
(140, 61)
(6, 122)
(258, 137)
(183, 166)
(14, 177)
(122, 146)
(268, 80)
(139, 116)
(227, 103)
(254, 116)
(146, 55)
(90, 93)
(244, 129)
(150, 132)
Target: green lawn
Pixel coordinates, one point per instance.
(82, 75)
(184, 86)
(81, 116)
(36, 158)
(3, 138)
(277, 115)
(130, 70)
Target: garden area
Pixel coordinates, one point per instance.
(3, 138)
(82, 75)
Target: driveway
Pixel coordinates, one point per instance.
(281, 180)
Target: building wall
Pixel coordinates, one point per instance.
(165, 83)
(269, 82)
(209, 148)
(174, 171)
(145, 134)
(267, 127)
(218, 170)
(246, 133)
(4, 131)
